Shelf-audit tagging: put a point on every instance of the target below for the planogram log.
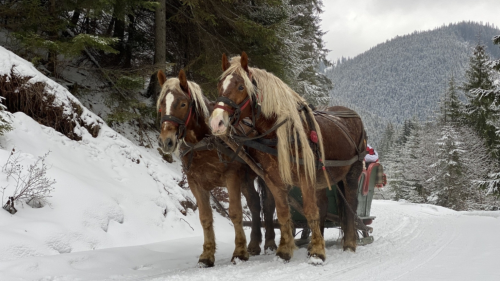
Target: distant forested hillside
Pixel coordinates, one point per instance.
(405, 77)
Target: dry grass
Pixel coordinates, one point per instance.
(34, 100)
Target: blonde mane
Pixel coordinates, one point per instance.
(194, 89)
(278, 100)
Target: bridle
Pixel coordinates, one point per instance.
(181, 124)
(234, 110)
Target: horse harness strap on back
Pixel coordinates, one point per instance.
(268, 145)
(335, 116)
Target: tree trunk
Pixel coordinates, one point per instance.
(75, 18)
(160, 35)
(119, 32)
(110, 26)
(160, 48)
(130, 42)
(52, 55)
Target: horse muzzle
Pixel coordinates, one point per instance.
(219, 122)
(167, 145)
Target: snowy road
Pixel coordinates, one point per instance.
(412, 242)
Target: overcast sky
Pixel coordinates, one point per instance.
(354, 26)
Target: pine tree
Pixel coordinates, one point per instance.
(47, 25)
(449, 179)
(451, 106)
(304, 14)
(478, 112)
(387, 141)
(492, 183)
(405, 168)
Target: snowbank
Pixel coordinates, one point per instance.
(108, 191)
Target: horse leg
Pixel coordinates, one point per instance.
(351, 196)
(269, 206)
(322, 200)
(236, 214)
(253, 200)
(202, 196)
(311, 210)
(287, 242)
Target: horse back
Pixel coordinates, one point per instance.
(337, 124)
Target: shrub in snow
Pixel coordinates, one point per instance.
(43, 103)
(31, 185)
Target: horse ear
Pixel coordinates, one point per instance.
(161, 77)
(183, 80)
(244, 61)
(225, 62)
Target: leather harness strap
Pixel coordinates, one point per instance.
(179, 122)
(337, 121)
(267, 145)
(233, 113)
(210, 143)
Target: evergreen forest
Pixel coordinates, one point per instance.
(119, 45)
(451, 159)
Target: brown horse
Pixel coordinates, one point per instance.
(184, 110)
(241, 91)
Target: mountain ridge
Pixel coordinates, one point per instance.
(404, 77)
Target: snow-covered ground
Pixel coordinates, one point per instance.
(412, 242)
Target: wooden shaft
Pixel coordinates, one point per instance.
(327, 178)
(243, 156)
(296, 205)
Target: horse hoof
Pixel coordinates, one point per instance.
(270, 247)
(280, 260)
(238, 259)
(203, 263)
(350, 249)
(316, 259)
(254, 251)
(270, 251)
(284, 256)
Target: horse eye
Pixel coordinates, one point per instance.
(183, 105)
(241, 88)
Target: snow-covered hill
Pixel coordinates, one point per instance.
(108, 191)
(406, 76)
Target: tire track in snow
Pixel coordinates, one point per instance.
(439, 250)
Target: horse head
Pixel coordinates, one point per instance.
(235, 94)
(175, 105)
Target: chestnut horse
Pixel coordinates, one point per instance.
(242, 90)
(184, 110)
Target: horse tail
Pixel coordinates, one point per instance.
(262, 189)
(341, 207)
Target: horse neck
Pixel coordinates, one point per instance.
(263, 124)
(197, 129)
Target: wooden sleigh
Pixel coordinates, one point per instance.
(368, 180)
